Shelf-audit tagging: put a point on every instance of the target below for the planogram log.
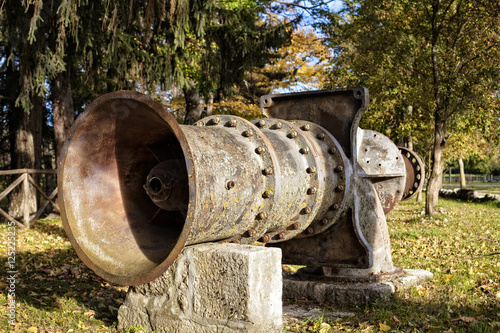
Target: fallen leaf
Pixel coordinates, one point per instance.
(324, 328)
(89, 313)
(32, 329)
(383, 327)
(466, 320)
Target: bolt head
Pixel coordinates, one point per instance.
(292, 135)
(311, 190)
(251, 232)
(304, 150)
(321, 136)
(296, 225)
(265, 238)
(311, 169)
(229, 184)
(339, 168)
(340, 188)
(262, 216)
(335, 207)
(306, 127)
(281, 235)
(215, 120)
(261, 123)
(267, 194)
(278, 125)
(268, 171)
(307, 210)
(332, 150)
(324, 221)
(260, 150)
(248, 133)
(231, 123)
(309, 230)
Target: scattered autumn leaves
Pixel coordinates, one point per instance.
(56, 292)
(460, 246)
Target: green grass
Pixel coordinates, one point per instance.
(460, 246)
(55, 292)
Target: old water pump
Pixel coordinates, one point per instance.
(136, 187)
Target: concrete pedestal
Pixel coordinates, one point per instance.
(348, 293)
(211, 288)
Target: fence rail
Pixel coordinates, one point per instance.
(25, 178)
(472, 178)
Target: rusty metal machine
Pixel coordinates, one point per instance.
(136, 187)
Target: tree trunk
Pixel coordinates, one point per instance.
(62, 110)
(462, 173)
(410, 138)
(195, 104)
(25, 150)
(435, 179)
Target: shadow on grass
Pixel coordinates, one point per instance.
(50, 227)
(57, 280)
(408, 315)
(437, 315)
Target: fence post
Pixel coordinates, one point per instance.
(26, 199)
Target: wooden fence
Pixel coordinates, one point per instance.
(25, 178)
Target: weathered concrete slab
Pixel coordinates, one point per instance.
(347, 294)
(211, 288)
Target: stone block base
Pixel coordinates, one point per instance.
(211, 288)
(348, 294)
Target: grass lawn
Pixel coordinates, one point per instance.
(55, 292)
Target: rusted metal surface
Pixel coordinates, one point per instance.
(415, 173)
(136, 187)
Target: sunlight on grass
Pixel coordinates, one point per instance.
(56, 292)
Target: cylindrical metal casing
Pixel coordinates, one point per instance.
(265, 181)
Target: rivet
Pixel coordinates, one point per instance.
(311, 190)
(304, 150)
(332, 150)
(229, 184)
(268, 171)
(311, 169)
(261, 123)
(340, 188)
(260, 150)
(306, 127)
(296, 225)
(278, 125)
(231, 123)
(200, 123)
(262, 216)
(339, 168)
(267, 194)
(324, 221)
(335, 207)
(251, 232)
(292, 135)
(265, 238)
(321, 136)
(309, 230)
(215, 120)
(307, 210)
(248, 133)
(281, 235)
